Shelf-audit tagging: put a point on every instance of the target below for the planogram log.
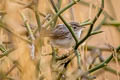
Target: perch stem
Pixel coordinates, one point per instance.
(91, 26)
(104, 63)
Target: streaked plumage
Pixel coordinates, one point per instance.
(61, 37)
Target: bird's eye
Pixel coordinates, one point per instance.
(74, 27)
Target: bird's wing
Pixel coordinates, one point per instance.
(60, 32)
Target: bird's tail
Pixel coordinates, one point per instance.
(45, 32)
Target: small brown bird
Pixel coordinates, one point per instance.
(61, 37)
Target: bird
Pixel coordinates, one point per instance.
(61, 37)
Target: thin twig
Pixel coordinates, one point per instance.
(104, 63)
(92, 25)
(37, 16)
(104, 12)
(100, 24)
(58, 6)
(28, 27)
(95, 32)
(2, 48)
(112, 70)
(72, 12)
(78, 58)
(4, 26)
(70, 29)
(5, 53)
(46, 18)
(85, 23)
(102, 49)
(113, 23)
(60, 11)
(30, 34)
(67, 25)
(13, 67)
